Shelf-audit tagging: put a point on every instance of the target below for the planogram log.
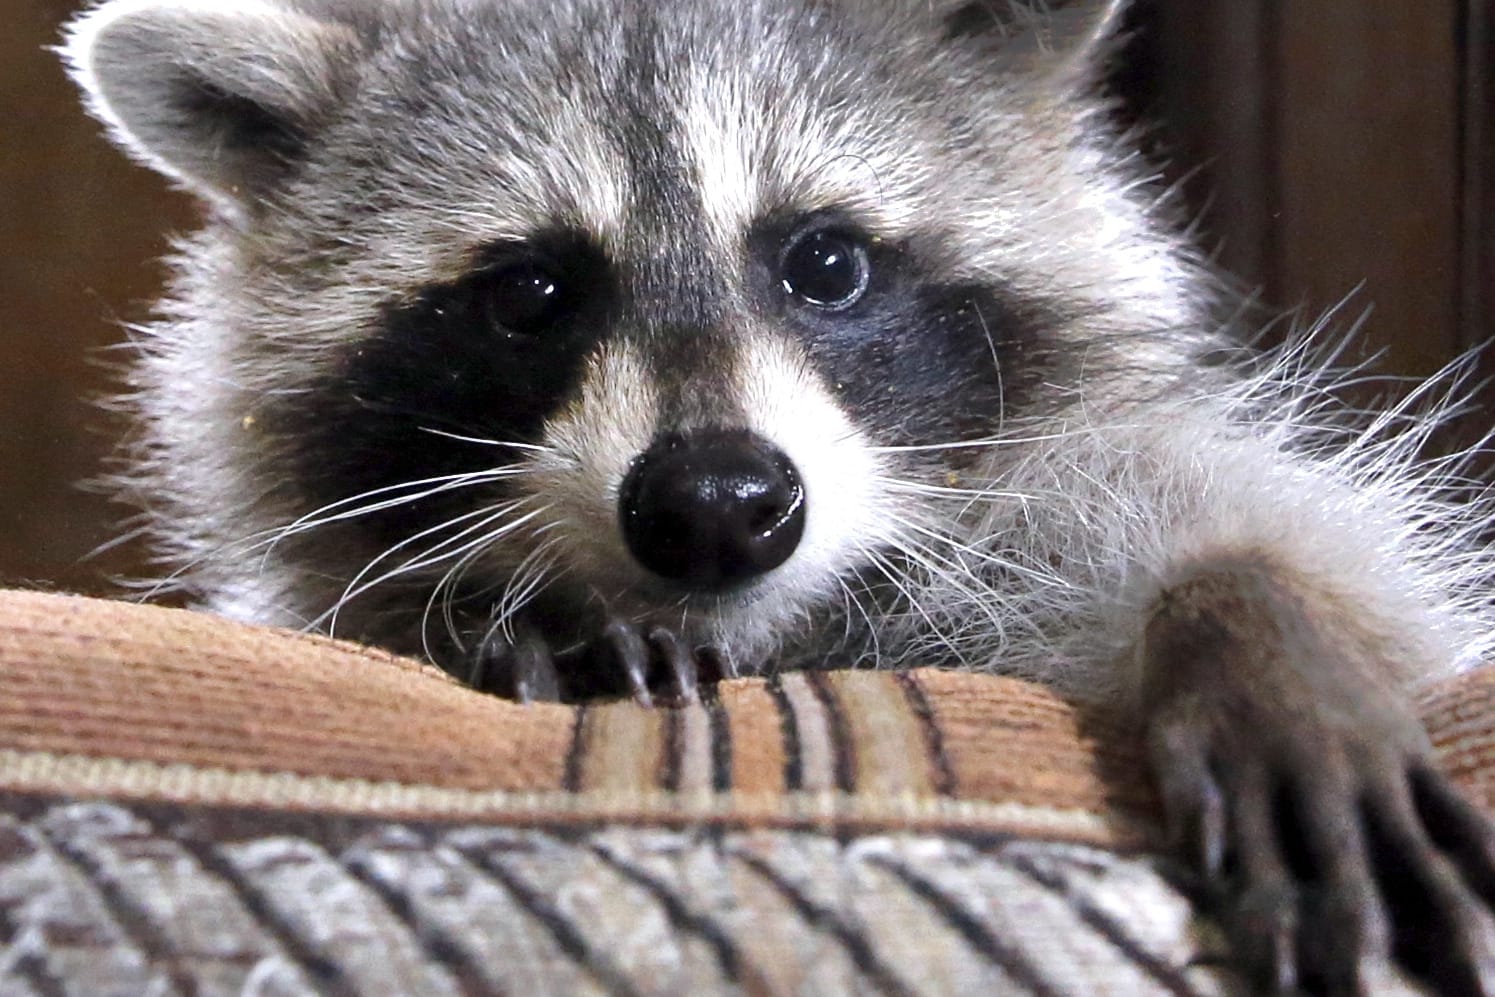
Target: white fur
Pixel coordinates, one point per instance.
(1104, 512)
(1137, 466)
(129, 57)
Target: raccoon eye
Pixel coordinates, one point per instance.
(825, 269)
(522, 297)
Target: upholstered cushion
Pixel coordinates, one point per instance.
(189, 804)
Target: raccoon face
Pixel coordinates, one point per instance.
(535, 315)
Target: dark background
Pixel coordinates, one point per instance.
(1327, 146)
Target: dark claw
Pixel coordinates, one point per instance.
(1265, 911)
(477, 672)
(1438, 931)
(1342, 927)
(1264, 922)
(1458, 827)
(522, 670)
(1343, 921)
(633, 654)
(714, 666)
(680, 661)
(624, 659)
(535, 676)
(1344, 917)
(1339, 927)
(1192, 802)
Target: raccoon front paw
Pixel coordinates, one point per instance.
(522, 669)
(624, 659)
(1325, 855)
(1295, 777)
(651, 659)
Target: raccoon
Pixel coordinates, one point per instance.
(594, 347)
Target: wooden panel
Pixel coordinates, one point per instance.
(1213, 78)
(1477, 317)
(1367, 153)
(1325, 141)
(80, 226)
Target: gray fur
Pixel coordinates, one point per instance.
(409, 135)
(470, 265)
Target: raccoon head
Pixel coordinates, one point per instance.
(703, 313)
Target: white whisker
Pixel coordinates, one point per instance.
(539, 448)
(524, 584)
(427, 557)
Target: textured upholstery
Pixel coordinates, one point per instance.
(189, 805)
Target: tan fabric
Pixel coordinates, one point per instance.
(106, 898)
(150, 703)
(153, 703)
(193, 806)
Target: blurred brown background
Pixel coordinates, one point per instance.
(80, 230)
(1337, 143)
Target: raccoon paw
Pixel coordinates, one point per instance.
(651, 660)
(1295, 776)
(624, 659)
(522, 669)
(1327, 855)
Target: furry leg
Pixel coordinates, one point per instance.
(1295, 776)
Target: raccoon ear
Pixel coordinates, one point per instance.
(1065, 41)
(219, 96)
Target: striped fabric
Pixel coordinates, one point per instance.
(107, 898)
(129, 701)
(193, 806)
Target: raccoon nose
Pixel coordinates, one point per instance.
(712, 509)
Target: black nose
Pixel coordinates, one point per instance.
(712, 509)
